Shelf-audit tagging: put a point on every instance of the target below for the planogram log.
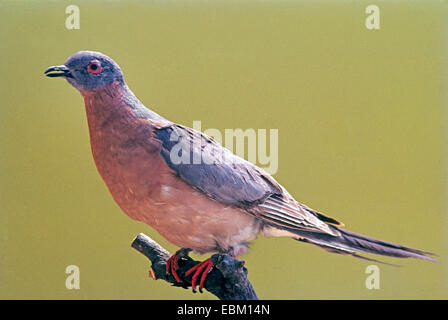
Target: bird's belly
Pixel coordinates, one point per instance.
(204, 227)
(146, 189)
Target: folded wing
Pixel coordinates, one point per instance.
(220, 175)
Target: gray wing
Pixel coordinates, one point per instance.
(218, 173)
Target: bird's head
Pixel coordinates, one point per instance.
(87, 71)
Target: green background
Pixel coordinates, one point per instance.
(360, 113)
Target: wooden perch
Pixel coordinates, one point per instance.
(227, 279)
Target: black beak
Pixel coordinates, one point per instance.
(58, 71)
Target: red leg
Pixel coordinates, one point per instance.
(172, 264)
(204, 267)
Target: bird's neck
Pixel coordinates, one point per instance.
(115, 115)
(116, 100)
(118, 122)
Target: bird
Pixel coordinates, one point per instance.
(218, 203)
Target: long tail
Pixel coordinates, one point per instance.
(351, 243)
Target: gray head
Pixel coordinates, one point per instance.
(88, 70)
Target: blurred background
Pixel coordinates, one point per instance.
(361, 116)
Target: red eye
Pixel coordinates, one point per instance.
(94, 67)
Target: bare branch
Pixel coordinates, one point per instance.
(227, 280)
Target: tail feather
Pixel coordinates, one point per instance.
(351, 243)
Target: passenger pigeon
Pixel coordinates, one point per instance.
(195, 193)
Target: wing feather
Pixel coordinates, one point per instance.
(227, 178)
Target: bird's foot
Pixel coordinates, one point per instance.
(172, 264)
(203, 267)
